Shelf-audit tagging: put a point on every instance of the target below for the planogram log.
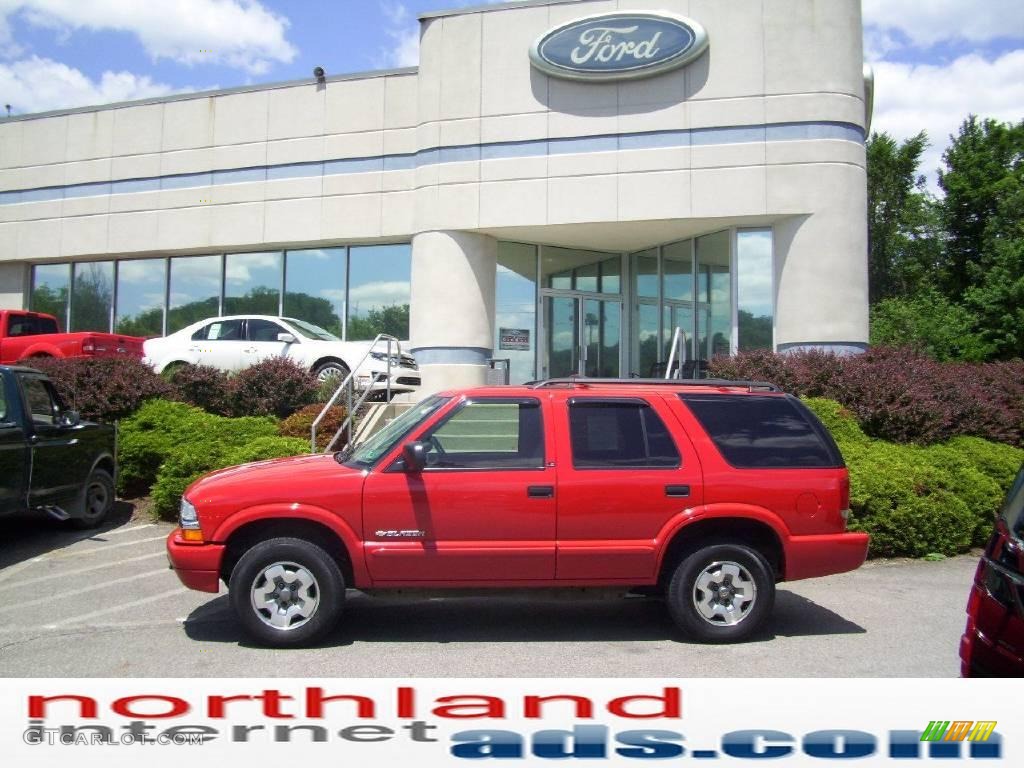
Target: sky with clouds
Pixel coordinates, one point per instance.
(935, 60)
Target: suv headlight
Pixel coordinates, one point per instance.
(188, 519)
(383, 356)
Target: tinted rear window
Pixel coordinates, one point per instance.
(618, 434)
(764, 432)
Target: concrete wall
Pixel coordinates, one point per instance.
(765, 126)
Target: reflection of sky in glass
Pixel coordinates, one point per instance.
(245, 271)
(194, 278)
(646, 273)
(140, 288)
(515, 301)
(319, 273)
(379, 276)
(754, 264)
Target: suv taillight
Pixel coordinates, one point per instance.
(844, 497)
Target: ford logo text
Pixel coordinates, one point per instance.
(618, 46)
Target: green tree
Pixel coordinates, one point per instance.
(983, 212)
(903, 221)
(931, 323)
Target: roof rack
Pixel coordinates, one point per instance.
(582, 381)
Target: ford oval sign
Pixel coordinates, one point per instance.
(619, 46)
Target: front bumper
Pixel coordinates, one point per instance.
(196, 565)
(808, 557)
(402, 380)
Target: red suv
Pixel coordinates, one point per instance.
(707, 492)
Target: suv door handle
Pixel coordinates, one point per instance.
(540, 491)
(682, 491)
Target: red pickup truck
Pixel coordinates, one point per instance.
(24, 335)
(706, 493)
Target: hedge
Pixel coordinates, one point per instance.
(273, 387)
(899, 394)
(166, 445)
(103, 388)
(917, 500)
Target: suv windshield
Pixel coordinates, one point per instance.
(311, 331)
(382, 442)
(1013, 509)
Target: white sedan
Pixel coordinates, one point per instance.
(236, 342)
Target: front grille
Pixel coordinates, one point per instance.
(411, 381)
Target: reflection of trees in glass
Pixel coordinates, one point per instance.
(92, 297)
(193, 312)
(147, 323)
(755, 331)
(312, 309)
(51, 302)
(259, 300)
(393, 320)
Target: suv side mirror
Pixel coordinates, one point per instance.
(287, 338)
(69, 419)
(415, 456)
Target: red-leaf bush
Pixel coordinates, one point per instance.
(103, 388)
(276, 386)
(300, 424)
(898, 393)
(205, 387)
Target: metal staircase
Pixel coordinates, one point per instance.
(354, 399)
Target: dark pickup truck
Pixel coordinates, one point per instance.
(50, 460)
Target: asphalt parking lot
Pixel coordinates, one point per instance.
(104, 604)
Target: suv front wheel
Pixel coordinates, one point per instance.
(287, 592)
(721, 593)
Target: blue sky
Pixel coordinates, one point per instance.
(935, 60)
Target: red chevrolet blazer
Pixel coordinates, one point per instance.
(706, 492)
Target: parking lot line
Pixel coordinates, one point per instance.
(119, 531)
(91, 568)
(94, 550)
(116, 608)
(75, 592)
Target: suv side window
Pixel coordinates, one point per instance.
(40, 401)
(765, 431)
(3, 401)
(619, 434)
(220, 330)
(263, 330)
(488, 433)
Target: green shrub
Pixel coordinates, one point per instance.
(160, 428)
(915, 500)
(190, 462)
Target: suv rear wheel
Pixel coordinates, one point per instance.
(287, 592)
(721, 593)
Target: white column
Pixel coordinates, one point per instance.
(451, 315)
(13, 285)
(821, 268)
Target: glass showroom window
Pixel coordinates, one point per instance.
(648, 332)
(714, 296)
(252, 283)
(315, 287)
(92, 296)
(754, 283)
(575, 270)
(515, 321)
(141, 293)
(378, 291)
(195, 290)
(51, 287)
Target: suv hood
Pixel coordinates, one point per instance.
(273, 482)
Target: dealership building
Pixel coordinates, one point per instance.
(560, 183)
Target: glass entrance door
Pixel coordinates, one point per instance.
(583, 336)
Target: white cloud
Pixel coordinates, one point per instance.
(238, 33)
(937, 98)
(36, 84)
(376, 295)
(403, 30)
(925, 23)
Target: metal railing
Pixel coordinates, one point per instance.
(347, 386)
(678, 343)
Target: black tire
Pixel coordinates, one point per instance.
(331, 369)
(99, 500)
(682, 593)
(329, 591)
